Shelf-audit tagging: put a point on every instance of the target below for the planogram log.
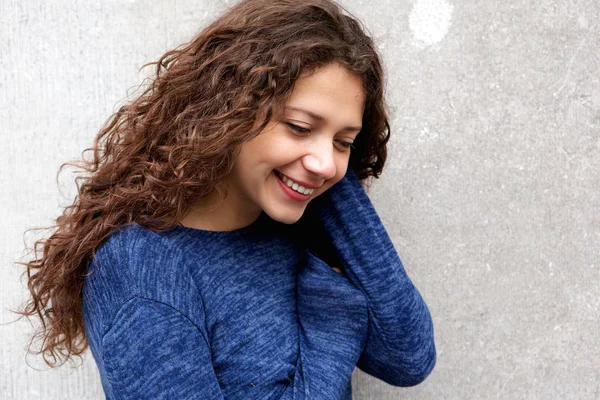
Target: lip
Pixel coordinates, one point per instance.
(292, 194)
(306, 185)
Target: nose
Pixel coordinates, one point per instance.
(320, 160)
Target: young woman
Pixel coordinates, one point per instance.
(222, 245)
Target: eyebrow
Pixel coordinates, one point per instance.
(321, 118)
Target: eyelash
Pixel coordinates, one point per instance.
(301, 130)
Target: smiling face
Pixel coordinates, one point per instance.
(308, 141)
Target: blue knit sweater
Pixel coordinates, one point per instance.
(257, 313)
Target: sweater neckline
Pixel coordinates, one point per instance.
(253, 227)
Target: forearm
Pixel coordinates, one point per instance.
(400, 346)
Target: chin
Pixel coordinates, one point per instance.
(286, 218)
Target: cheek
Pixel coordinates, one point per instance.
(342, 168)
(277, 149)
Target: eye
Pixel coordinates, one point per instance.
(347, 145)
(297, 128)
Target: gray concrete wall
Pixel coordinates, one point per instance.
(491, 194)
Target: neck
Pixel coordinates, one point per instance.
(215, 213)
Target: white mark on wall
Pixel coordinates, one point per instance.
(429, 21)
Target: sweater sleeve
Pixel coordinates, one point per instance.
(153, 351)
(400, 348)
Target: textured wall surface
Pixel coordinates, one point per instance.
(491, 194)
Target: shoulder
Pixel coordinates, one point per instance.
(135, 262)
(134, 242)
(137, 255)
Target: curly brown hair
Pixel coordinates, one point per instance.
(178, 139)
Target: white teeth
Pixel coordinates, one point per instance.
(295, 186)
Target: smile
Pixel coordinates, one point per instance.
(292, 189)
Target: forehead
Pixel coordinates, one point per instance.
(332, 92)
